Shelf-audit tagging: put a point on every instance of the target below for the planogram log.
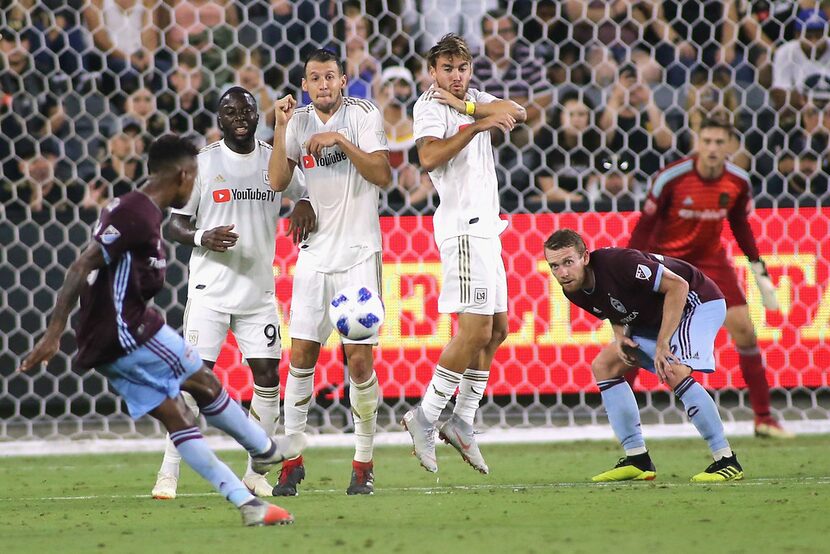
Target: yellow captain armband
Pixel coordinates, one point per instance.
(470, 107)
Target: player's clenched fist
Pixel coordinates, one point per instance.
(283, 110)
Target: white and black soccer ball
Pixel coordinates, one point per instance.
(357, 313)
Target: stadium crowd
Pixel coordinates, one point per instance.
(613, 89)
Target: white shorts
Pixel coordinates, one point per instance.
(257, 334)
(474, 280)
(312, 293)
(694, 341)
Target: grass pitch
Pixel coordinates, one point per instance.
(537, 499)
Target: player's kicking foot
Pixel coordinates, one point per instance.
(423, 438)
(291, 474)
(258, 485)
(725, 469)
(459, 434)
(165, 488)
(363, 478)
(256, 513)
(630, 468)
(769, 428)
(285, 448)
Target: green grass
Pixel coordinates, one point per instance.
(538, 498)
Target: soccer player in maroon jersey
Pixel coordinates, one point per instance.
(665, 315)
(144, 360)
(683, 217)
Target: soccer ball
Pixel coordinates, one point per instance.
(357, 313)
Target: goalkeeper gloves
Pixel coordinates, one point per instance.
(759, 269)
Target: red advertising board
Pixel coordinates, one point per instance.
(551, 344)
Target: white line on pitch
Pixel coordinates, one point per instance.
(453, 488)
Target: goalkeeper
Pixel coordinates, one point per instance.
(683, 217)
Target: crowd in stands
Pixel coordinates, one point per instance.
(614, 89)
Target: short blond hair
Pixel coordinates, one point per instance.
(451, 46)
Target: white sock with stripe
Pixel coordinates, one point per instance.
(470, 391)
(364, 401)
(439, 391)
(265, 412)
(299, 388)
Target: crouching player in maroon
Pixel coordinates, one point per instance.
(665, 315)
(144, 360)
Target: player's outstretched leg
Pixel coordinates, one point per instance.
(194, 451)
(224, 413)
(167, 479)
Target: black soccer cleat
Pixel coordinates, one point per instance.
(291, 474)
(363, 478)
(720, 471)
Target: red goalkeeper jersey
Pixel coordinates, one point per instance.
(684, 213)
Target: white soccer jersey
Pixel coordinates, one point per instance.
(346, 204)
(233, 189)
(793, 70)
(467, 184)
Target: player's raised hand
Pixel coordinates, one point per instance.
(219, 239)
(283, 110)
(303, 221)
(44, 350)
(317, 142)
(502, 121)
(449, 99)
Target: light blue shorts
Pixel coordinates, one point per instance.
(147, 376)
(694, 341)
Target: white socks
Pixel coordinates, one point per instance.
(439, 391)
(470, 390)
(364, 401)
(299, 388)
(265, 412)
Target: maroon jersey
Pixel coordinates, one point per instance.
(626, 283)
(114, 318)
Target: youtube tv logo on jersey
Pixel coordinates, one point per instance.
(308, 162)
(222, 195)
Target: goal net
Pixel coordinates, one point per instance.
(75, 123)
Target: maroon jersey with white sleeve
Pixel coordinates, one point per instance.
(626, 288)
(114, 318)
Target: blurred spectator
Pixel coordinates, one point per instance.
(64, 45)
(396, 97)
(355, 30)
(188, 104)
(31, 100)
(571, 142)
(506, 69)
(636, 130)
(126, 36)
(200, 24)
(462, 17)
(120, 171)
(43, 175)
(801, 67)
(711, 94)
(141, 109)
(803, 162)
(290, 30)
